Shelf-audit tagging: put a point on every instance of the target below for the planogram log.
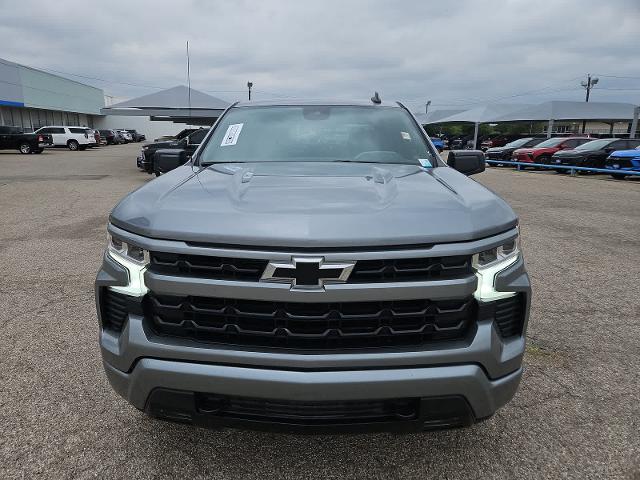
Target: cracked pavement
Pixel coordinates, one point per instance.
(576, 414)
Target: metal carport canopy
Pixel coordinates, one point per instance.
(482, 114)
(568, 110)
(179, 104)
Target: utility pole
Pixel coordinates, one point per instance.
(588, 85)
(249, 85)
(189, 76)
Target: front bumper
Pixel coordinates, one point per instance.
(164, 375)
(144, 384)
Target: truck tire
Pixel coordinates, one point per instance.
(73, 145)
(24, 148)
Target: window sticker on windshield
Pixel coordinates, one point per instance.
(231, 137)
(405, 135)
(425, 162)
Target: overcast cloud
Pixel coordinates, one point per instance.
(453, 53)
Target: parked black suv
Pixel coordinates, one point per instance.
(14, 138)
(145, 160)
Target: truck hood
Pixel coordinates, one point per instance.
(313, 205)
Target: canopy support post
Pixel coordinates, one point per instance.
(549, 128)
(634, 123)
(475, 136)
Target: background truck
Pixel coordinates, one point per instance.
(14, 138)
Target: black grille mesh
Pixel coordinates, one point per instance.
(308, 413)
(311, 326)
(365, 271)
(204, 266)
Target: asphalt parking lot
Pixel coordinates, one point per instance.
(576, 414)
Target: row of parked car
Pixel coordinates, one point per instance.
(615, 154)
(73, 138)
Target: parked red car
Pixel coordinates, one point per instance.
(542, 152)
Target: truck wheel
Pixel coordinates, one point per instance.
(618, 176)
(73, 145)
(24, 148)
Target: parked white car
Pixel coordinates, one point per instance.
(74, 138)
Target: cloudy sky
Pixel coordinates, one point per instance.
(457, 53)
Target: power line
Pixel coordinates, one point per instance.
(543, 90)
(618, 89)
(617, 76)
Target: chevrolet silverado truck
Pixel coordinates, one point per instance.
(314, 266)
(14, 138)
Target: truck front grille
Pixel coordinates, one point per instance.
(365, 271)
(311, 326)
(308, 413)
(220, 268)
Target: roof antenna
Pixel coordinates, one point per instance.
(376, 99)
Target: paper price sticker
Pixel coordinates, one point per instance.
(231, 137)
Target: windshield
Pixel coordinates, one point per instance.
(317, 133)
(593, 145)
(518, 143)
(552, 142)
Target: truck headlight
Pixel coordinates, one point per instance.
(126, 251)
(489, 263)
(135, 260)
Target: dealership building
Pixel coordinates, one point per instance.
(31, 98)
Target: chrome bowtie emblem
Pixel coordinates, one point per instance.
(307, 273)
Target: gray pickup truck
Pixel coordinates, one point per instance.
(314, 265)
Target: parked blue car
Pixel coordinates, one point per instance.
(623, 161)
(438, 143)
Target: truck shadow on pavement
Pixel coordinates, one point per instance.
(185, 451)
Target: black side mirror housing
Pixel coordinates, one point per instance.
(468, 162)
(169, 159)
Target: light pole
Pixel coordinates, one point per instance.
(249, 85)
(588, 85)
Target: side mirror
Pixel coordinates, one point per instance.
(468, 162)
(166, 160)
